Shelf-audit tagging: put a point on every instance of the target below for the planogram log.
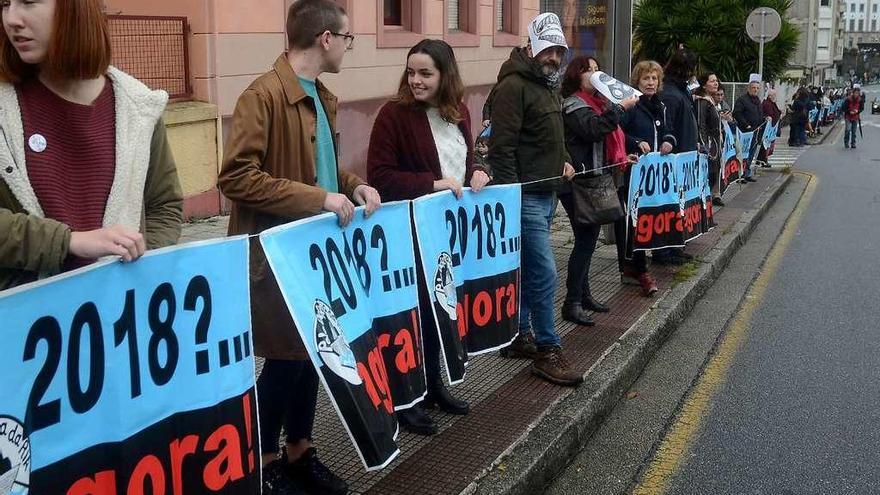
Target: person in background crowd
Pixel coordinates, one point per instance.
(826, 103)
(645, 129)
(711, 133)
(528, 146)
(853, 107)
(421, 143)
(681, 122)
(816, 99)
(772, 113)
(749, 117)
(799, 115)
(723, 107)
(594, 140)
(87, 135)
(280, 165)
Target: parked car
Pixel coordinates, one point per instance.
(875, 105)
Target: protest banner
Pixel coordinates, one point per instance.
(353, 296)
(689, 186)
(731, 166)
(708, 220)
(768, 137)
(122, 378)
(614, 90)
(472, 269)
(653, 203)
(749, 145)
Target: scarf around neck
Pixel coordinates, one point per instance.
(615, 147)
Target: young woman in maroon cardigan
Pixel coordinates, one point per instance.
(422, 143)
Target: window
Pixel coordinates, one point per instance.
(393, 13)
(500, 16)
(825, 3)
(850, 43)
(874, 8)
(852, 7)
(861, 7)
(400, 23)
(861, 24)
(508, 23)
(852, 25)
(462, 22)
(453, 16)
(874, 25)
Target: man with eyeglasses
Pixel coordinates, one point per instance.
(280, 165)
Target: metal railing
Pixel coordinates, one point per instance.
(153, 49)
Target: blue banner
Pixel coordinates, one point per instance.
(114, 372)
(749, 145)
(689, 181)
(707, 216)
(769, 135)
(353, 295)
(731, 166)
(470, 257)
(653, 203)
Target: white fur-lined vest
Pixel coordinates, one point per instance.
(138, 108)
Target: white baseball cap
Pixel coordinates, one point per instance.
(545, 31)
(857, 86)
(754, 78)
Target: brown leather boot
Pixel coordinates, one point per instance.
(552, 366)
(522, 347)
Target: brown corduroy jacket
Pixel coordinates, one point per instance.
(269, 174)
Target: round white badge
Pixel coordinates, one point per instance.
(37, 143)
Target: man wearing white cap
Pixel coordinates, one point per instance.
(748, 115)
(528, 146)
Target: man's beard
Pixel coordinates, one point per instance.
(548, 69)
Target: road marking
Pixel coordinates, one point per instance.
(675, 445)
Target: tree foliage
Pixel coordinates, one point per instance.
(716, 31)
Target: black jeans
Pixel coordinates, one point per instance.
(626, 258)
(287, 393)
(577, 284)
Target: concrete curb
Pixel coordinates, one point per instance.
(554, 439)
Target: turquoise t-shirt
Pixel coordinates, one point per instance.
(325, 161)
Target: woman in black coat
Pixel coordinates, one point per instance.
(710, 131)
(646, 131)
(594, 140)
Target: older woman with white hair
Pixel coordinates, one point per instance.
(772, 112)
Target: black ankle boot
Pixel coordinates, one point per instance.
(438, 396)
(574, 313)
(591, 304)
(417, 421)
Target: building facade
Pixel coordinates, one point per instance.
(861, 22)
(231, 42)
(820, 47)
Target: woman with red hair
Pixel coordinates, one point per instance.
(85, 167)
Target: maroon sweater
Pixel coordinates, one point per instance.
(402, 161)
(73, 175)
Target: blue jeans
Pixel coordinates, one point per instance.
(538, 269)
(849, 133)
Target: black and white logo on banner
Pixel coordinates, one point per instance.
(15, 457)
(330, 342)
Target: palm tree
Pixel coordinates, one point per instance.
(716, 31)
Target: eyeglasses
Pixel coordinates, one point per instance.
(349, 38)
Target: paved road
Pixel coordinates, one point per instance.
(795, 409)
(799, 412)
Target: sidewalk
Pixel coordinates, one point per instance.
(521, 429)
